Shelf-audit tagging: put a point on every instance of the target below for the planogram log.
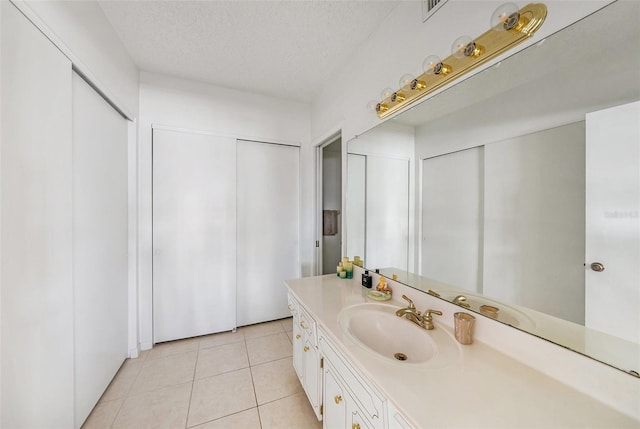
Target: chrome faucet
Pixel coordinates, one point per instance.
(460, 300)
(424, 320)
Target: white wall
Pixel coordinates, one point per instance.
(171, 102)
(401, 46)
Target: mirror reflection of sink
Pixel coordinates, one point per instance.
(377, 328)
(505, 314)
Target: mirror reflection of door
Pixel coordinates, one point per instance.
(378, 210)
(331, 206)
(613, 221)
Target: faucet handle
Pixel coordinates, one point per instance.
(427, 314)
(411, 304)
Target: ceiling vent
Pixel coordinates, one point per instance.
(429, 7)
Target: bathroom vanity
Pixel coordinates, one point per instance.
(343, 352)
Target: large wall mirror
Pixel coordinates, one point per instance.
(515, 193)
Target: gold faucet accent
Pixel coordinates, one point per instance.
(460, 300)
(424, 320)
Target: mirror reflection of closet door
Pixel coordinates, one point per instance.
(451, 248)
(356, 205)
(194, 234)
(387, 211)
(268, 229)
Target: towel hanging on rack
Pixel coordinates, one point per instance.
(330, 222)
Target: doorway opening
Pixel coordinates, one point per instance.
(329, 205)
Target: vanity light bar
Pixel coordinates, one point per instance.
(485, 47)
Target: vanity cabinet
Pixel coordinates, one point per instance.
(349, 400)
(306, 356)
(338, 393)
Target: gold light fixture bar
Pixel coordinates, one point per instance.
(493, 43)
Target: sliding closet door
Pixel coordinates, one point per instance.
(268, 229)
(194, 234)
(36, 239)
(99, 245)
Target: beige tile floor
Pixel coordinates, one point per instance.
(229, 380)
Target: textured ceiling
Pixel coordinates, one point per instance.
(285, 49)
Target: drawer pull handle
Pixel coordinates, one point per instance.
(297, 336)
(306, 348)
(355, 426)
(303, 325)
(338, 399)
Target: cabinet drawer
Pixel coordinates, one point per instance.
(293, 305)
(308, 327)
(370, 402)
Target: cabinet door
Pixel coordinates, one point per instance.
(268, 229)
(335, 402)
(312, 376)
(194, 234)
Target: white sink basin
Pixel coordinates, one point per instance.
(377, 328)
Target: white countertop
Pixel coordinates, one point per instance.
(482, 388)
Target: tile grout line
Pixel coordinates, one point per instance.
(126, 395)
(193, 385)
(253, 384)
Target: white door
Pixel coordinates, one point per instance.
(613, 221)
(100, 242)
(452, 219)
(194, 234)
(268, 229)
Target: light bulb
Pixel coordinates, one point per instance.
(460, 45)
(418, 85)
(505, 17)
(434, 65)
(430, 63)
(465, 46)
(386, 93)
(371, 105)
(381, 108)
(398, 97)
(406, 79)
